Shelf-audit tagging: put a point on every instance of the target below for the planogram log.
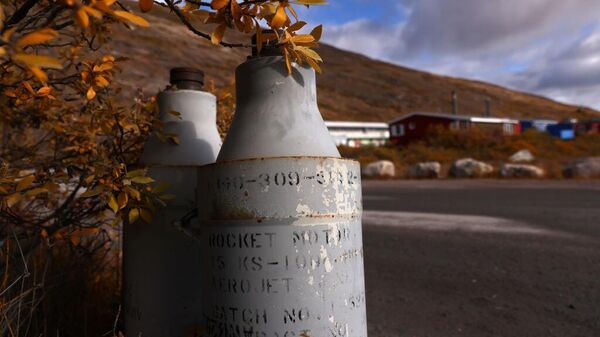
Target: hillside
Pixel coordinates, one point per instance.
(352, 87)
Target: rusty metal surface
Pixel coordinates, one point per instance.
(282, 239)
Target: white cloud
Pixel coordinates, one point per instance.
(550, 47)
(366, 37)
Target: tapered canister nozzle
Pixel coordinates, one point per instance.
(187, 78)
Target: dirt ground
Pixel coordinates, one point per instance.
(482, 258)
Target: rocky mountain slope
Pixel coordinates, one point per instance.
(352, 87)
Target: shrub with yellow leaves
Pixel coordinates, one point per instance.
(69, 149)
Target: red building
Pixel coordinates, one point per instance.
(591, 126)
(416, 125)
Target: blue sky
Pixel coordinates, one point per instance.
(548, 47)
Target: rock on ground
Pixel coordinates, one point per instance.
(382, 168)
(425, 170)
(521, 171)
(583, 168)
(523, 156)
(470, 168)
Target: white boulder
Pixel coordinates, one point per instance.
(521, 171)
(382, 168)
(470, 168)
(425, 170)
(523, 156)
(583, 168)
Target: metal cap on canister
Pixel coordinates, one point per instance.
(187, 78)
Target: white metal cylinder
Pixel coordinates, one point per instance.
(161, 265)
(280, 217)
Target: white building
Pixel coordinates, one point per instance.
(357, 134)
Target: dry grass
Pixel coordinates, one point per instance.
(58, 288)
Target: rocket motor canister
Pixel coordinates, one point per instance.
(161, 265)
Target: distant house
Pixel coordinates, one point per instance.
(416, 125)
(591, 126)
(358, 134)
(540, 125)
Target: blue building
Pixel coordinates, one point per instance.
(563, 131)
(539, 124)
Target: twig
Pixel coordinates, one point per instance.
(194, 30)
(116, 321)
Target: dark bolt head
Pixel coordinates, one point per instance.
(187, 78)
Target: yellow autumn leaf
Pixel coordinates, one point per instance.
(82, 18)
(101, 81)
(134, 193)
(122, 200)
(38, 37)
(317, 32)
(91, 93)
(123, 15)
(12, 199)
(304, 38)
(236, 11)
(104, 5)
(142, 180)
(134, 215)
(288, 61)
(310, 2)
(146, 216)
(112, 203)
(217, 35)
(136, 173)
(259, 38)
(39, 74)
(146, 5)
(93, 12)
(34, 192)
(8, 33)
(43, 91)
(175, 114)
(92, 193)
(28, 87)
(40, 61)
(279, 18)
(175, 140)
(309, 53)
(102, 67)
(297, 26)
(313, 64)
(25, 183)
(219, 4)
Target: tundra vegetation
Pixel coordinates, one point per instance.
(70, 144)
